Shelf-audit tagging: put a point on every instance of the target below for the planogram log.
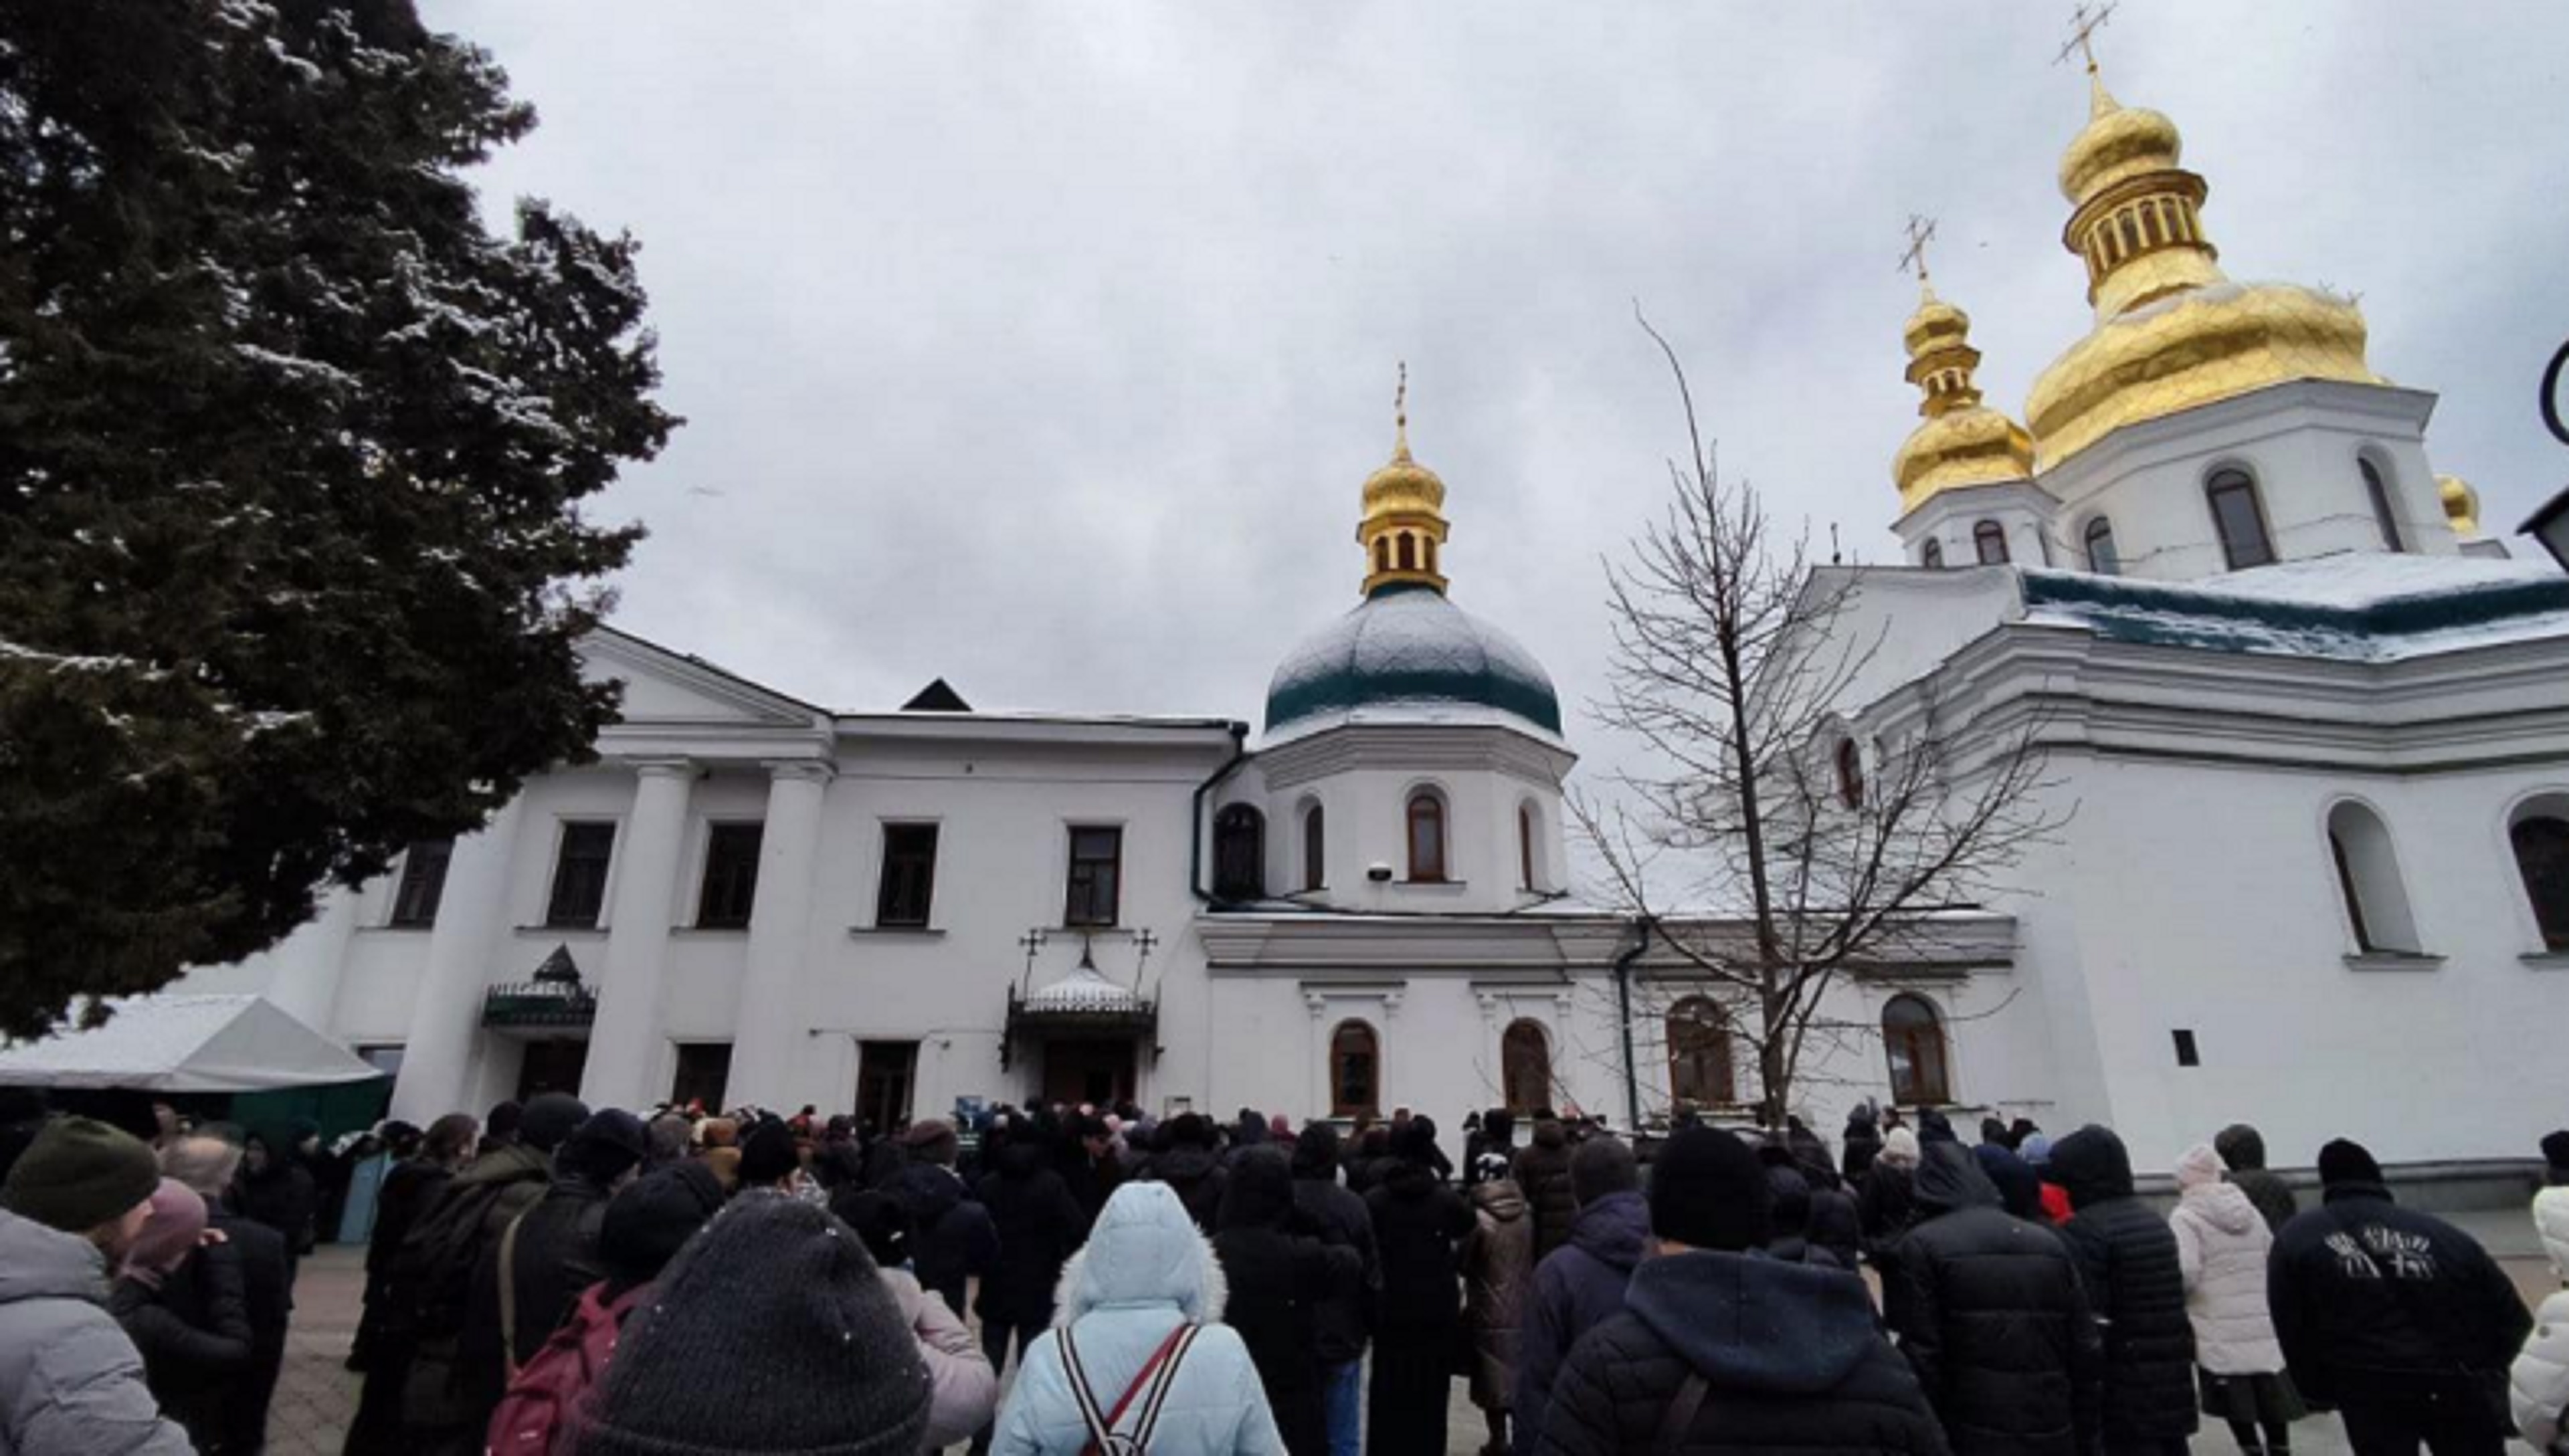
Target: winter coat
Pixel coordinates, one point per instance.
(1417, 1223)
(966, 1389)
(447, 1385)
(1498, 1265)
(2373, 1299)
(2243, 1148)
(952, 1238)
(1992, 1314)
(1836, 1225)
(1278, 1281)
(2222, 1242)
(2538, 1382)
(1196, 1176)
(258, 1255)
(195, 1341)
(1542, 1173)
(1788, 1354)
(1145, 1271)
(1885, 1207)
(1863, 1142)
(71, 1384)
(1339, 1216)
(556, 1258)
(2135, 1284)
(1573, 1293)
(285, 1198)
(1039, 1225)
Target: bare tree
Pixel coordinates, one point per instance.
(1802, 854)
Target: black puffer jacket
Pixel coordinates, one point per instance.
(1340, 1218)
(1417, 1221)
(1280, 1281)
(2369, 1296)
(951, 1238)
(1541, 1172)
(1789, 1358)
(1863, 1143)
(2127, 1255)
(2242, 1151)
(1990, 1311)
(1039, 1225)
(1196, 1176)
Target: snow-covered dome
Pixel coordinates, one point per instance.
(1407, 653)
(1082, 992)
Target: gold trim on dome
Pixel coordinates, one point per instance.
(1403, 529)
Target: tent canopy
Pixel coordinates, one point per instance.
(185, 1044)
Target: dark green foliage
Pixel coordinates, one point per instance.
(291, 456)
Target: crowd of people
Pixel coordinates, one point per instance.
(556, 1278)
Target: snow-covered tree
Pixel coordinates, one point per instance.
(292, 451)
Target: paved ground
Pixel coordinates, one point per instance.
(316, 1395)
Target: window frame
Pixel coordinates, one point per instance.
(562, 916)
(1339, 1105)
(1526, 865)
(2102, 527)
(1914, 1037)
(2551, 931)
(2385, 515)
(1083, 874)
(892, 875)
(679, 1073)
(421, 889)
(1236, 825)
(1512, 1039)
(1932, 554)
(1988, 536)
(739, 880)
(1435, 809)
(1708, 1035)
(2236, 480)
(1315, 848)
(2372, 889)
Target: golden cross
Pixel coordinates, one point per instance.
(1921, 231)
(2083, 24)
(1400, 399)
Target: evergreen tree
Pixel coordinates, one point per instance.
(292, 451)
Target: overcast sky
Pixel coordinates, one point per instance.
(1044, 347)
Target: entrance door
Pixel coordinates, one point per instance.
(551, 1066)
(883, 1074)
(1094, 1071)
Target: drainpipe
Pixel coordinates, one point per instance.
(1624, 1009)
(1195, 843)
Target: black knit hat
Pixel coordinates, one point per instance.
(653, 1218)
(2347, 1162)
(767, 1155)
(80, 1173)
(774, 1295)
(549, 1120)
(1708, 1191)
(602, 1148)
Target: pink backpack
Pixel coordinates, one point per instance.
(536, 1415)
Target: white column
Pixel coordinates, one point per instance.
(305, 984)
(768, 1046)
(624, 1041)
(446, 1010)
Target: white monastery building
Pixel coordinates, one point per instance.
(2308, 732)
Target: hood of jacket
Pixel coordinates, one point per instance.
(1500, 1199)
(1185, 1164)
(2224, 1206)
(1789, 1200)
(2552, 1221)
(2242, 1146)
(1900, 1148)
(1145, 1251)
(2197, 1166)
(1615, 1229)
(1547, 1134)
(41, 1262)
(2020, 1187)
(929, 1190)
(1749, 1322)
(1316, 1153)
(1950, 1177)
(1259, 1194)
(515, 1162)
(1408, 1179)
(2091, 1166)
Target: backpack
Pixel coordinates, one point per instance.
(541, 1406)
(433, 1273)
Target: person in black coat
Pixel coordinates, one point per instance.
(1789, 1211)
(2242, 1151)
(194, 1338)
(2020, 1187)
(1541, 1172)
(2127, 1256)
(951, 1240)
(1280, 1281)
(1039, 1225)
(206, 1161)
(1339, 1324)
(1191, 1167)
(1719, 1349)
(1417, 1223)
(1862, 1143)
(2398, 1319)
(408, 1190)
(1991, 1312)
(275, 1189)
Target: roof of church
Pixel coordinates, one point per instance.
(1411, 655)
(2366, 607)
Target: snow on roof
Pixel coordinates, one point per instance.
(185, 1044)
(2362, 607)
(1083, 990)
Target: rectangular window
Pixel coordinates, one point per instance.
(580, 875)
(1096, 870)
(704, 1071)
(423, 883)
(883, 1071)
(731, 876)
(2187, 1055)
(909, 887)
(2244, 542)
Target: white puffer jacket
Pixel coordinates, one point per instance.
(2538, 1386)
(2221, 1245)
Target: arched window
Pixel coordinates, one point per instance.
(2100, 538)
(2540, 838)
(1989, 539)
(1428, 543)
(1850, 763)
(1356, 1071)
(1240, 853)
(1426, 837)
(1382, 553)
(2368, 878)
(1699, 1054)
(1525, 1064)
(1316, 854)
(2239, 519)
(1914, 1037)
(1408, 552)
(1932, 554)
(2380, 495)
(1525, 848)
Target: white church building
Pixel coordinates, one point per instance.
(2310, 736)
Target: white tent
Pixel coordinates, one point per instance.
(185, 1044)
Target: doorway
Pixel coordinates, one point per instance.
(1097, 1071)
(885, 1071)
(551, 1066)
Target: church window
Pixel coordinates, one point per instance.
(2099, 539)
(1699, 1072)
(2368, 878)
(580, 875)
(1096, 873)
(1525, 1064)
(1356, 1071)
(1426, 837)
(1989, 540)
(1525, 847)
(1932, 554)
(1429, 546)
(908, 885)
(2540, 838)
(1914, 1037)
(2239, 519)
(2379, 494)
(423, 883)
(731, 876)
(1315, 859)
(1408, 552)
(2131, 231)
(1382, 553)
(1850, 766)
(1240, 853)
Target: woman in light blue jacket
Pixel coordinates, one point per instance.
(1147, 1274)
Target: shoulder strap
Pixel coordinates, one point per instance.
(1681, 1414)
(1147, 1424)
(1156, 1372)
(508, 1293)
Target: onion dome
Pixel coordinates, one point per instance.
(1404, 513)
(2462, 505)
(1963, 442)
(2172, 332)
(1410, 656)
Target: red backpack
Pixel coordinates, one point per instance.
(538, 1411)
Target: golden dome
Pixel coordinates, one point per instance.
(1963, 442)
(1934, 321)
(2119, 142)
(2462, 505)
(1403, 525)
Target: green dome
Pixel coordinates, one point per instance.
(1410, 656)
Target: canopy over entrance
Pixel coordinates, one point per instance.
(185, 1044)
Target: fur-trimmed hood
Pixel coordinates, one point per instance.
(1145, 1250)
